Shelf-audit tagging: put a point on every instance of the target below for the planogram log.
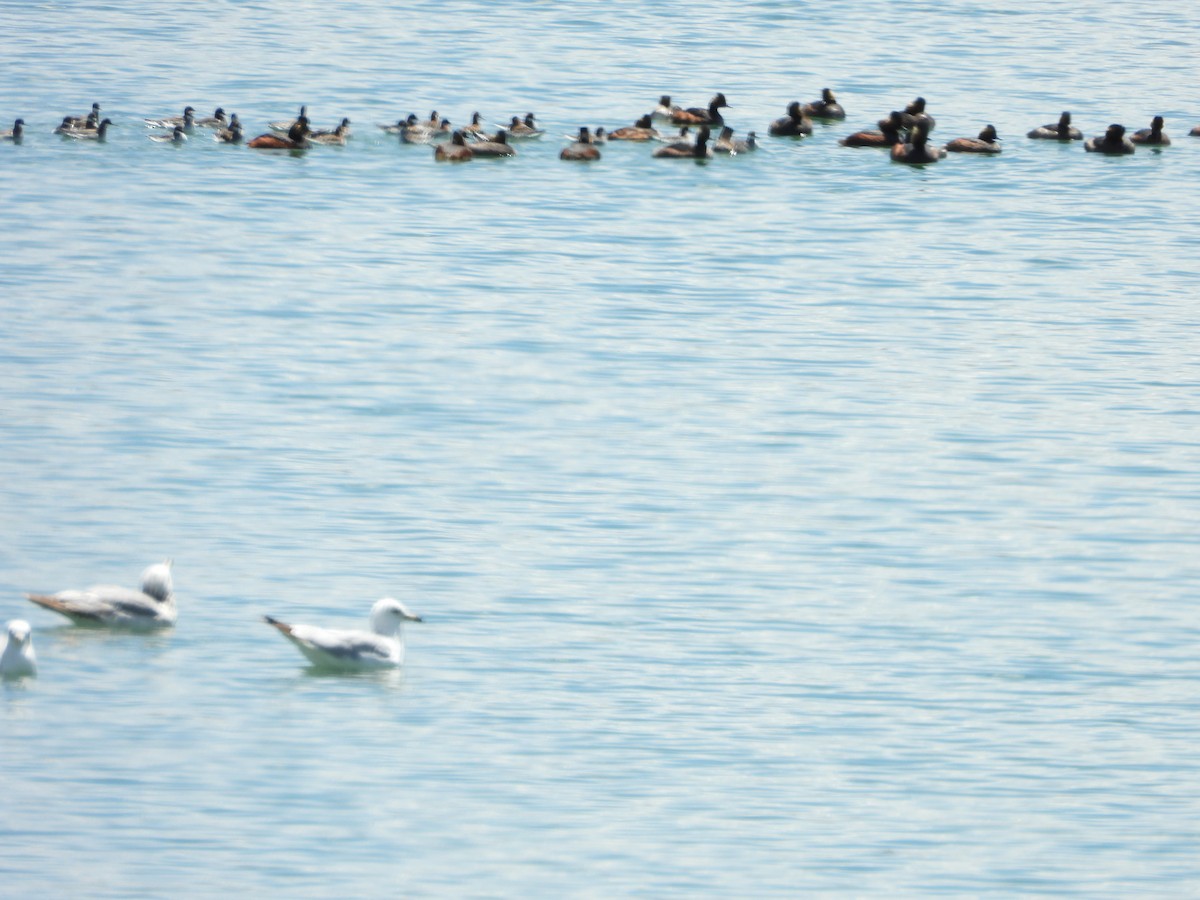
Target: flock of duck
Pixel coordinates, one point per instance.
(152, 606)
(904, 133)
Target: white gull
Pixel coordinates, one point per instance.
(334, 648)
(18, 658)
(119, 607)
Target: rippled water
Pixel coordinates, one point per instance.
(796, 523)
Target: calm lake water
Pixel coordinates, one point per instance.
(794, 524)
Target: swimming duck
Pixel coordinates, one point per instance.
(1113, 142)
(284, 127)
(497, 146)
(524, 128)
(177, 136)
(99, 134)
(696, 116)
(82, 121)
(664, 110)
(1195, 132)
(794, 124)
(917, 151)
(641, 130)
(187, 121)
(475, 126)
(400, 125)
(987, 142)
(232, 134)
(336, 137)
(684, 136)
(891, 132)
(914, 115)
(686, 149)
(16, 134)
(411, 130)
(726, 143)
(1153, 135)
(216, 121)
(1062, 130)
(455, 151)
(583, 150)
(825, 108)
(296, 139)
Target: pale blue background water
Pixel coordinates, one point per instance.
(795, 524)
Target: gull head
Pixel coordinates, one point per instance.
(156, 581)
(19, 631)
(388, 614)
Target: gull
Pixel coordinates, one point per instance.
(18, 659)
(109, 605)
(334, 648)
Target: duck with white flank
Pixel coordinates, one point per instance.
(728, 144)
(16, 134)
(686, 149)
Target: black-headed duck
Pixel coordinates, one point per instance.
(641, 130)
(794, 124)
(891, 132)
(285, 127)
(296, 138)
(216, 121)
(664, 110)
(16, 134)
(455, 151)
(523, 129)
(915, 115)
(726, 143)
(987, 142)
(1062, 130)
(916, 151)
(187, 121)
(1112, 143)
(1152, 136)
(475, 126)
(176, 136)
(696, 116)
(333, 138)
(583, 150)
(232, 134)
(497, 146)
(686, 149)
(99, 134)
(82, 121)
(825, 108)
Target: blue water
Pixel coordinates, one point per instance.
(794, 524)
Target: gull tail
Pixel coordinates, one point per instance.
(60, 606)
